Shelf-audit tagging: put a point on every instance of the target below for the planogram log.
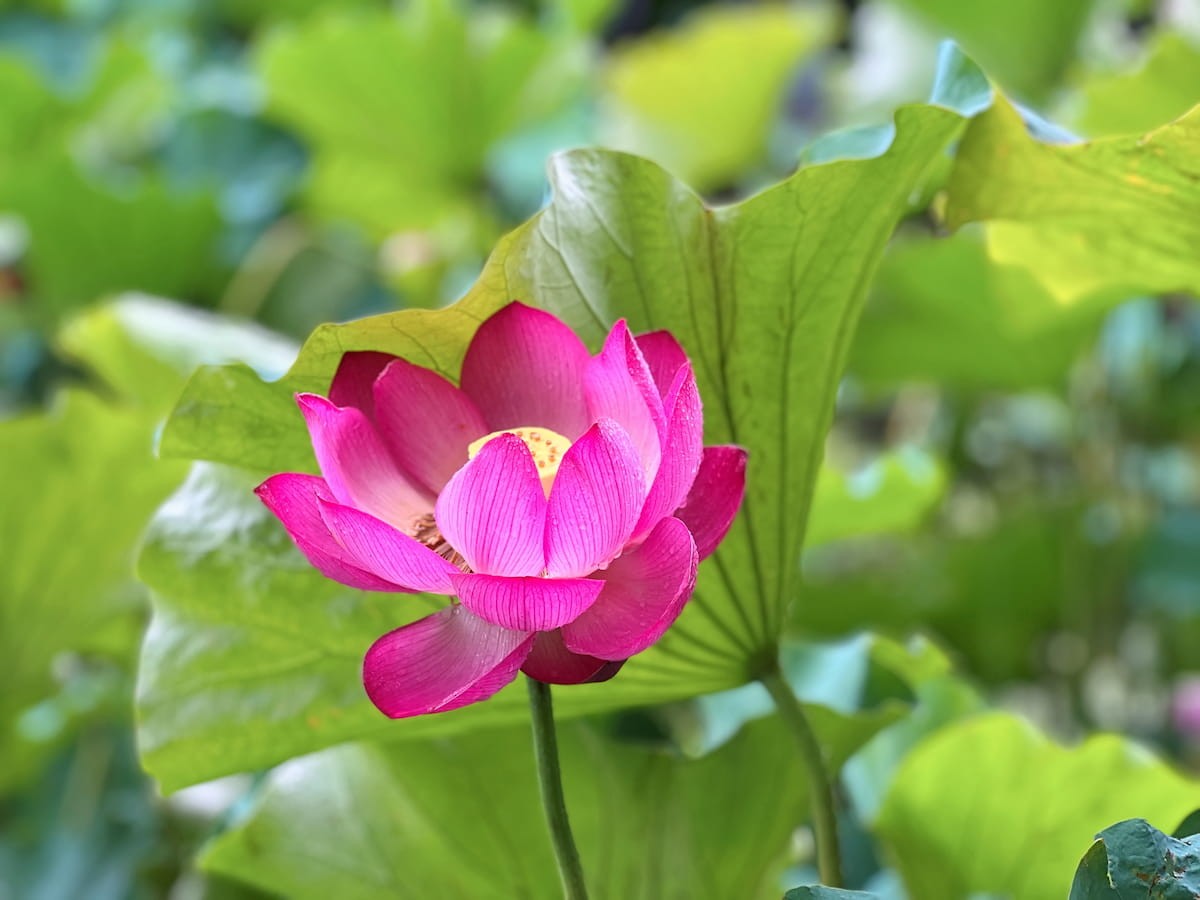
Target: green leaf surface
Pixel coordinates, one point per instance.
(142, 346)
(88, 483)
(962, 587)
(820, 892)
(1025, 44)
(1118, 214)
(70, 219)
(1163, 88)
(992, 806)
(460, 818)
(701, 98)
(444, 86)
(763, 299)
(1133, 860)
(943, 310)
(68, 523)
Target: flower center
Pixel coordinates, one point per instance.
(547, 447)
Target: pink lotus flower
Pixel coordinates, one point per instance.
(565, 500)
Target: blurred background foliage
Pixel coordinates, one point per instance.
(1014, 470)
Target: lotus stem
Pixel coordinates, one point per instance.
(554, 804)
(824, 810)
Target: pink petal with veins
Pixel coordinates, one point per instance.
(524, 368)
(596, 498)
(444, 661)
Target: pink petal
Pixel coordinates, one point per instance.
(594, 503)
(391, 554)
(664, 357)
(524, 367)
(444, 661)
(354, 380)
(682, 450)
(644, 592)
(526, 604)
(619, 386)
(426, 422)
(294, 498)
(356, 464)
(715, 497)
(551, 662)
(493, 511)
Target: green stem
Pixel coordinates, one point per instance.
(824, 812)
(554, 804)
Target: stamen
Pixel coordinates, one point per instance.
(426, 531)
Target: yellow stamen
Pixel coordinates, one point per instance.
(547, 447)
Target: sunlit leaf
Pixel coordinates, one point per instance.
(461, 818)
(1161, 89)
(944, 311)
(701, 98)
(444, 86)
(1026, 44)
(1118, 214)
(1031, 805)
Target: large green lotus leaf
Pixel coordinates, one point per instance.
(124, 98)
(1163, 88)
(991, 806)
(81, 482)
(460, 818)
(84, 483)
(943, 310)
(1117, 214)
(30, 113)
(1133, 859)
(401, 109)
(87, 240)
(764, 295)
(701, 99)
(1027, 45)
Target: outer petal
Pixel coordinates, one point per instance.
(524, 367)
(664, 357)
(644, 592)
(550, 661)
(294, 499)
(526, 604)
(357, 465)
(619, 386)
(391, 554)
(683, 445)
(354, 380)
(442, 662)
(426, 422)
(493, 511)
(597, 495)
(715, 497)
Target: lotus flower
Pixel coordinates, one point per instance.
(563, 500)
